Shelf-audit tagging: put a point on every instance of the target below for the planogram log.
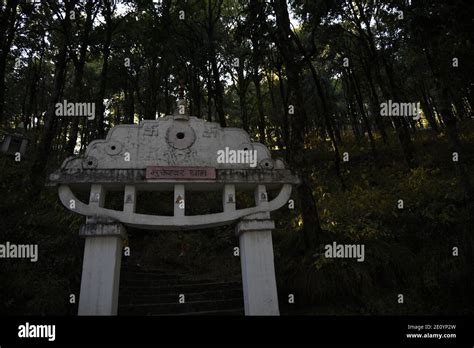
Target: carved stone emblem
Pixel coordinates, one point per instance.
(180, 135)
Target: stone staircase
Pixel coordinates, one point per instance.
(157, 292)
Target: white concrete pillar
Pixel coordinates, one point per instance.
(97, 196)
(102, 260)
(261, 196)
(179, 200)
(130, 199)
(228, 198)
(101, 271)
(258, 273)
(257, 261)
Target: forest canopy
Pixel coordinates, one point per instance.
(367, 101)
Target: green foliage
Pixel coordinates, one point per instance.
(408, 251)
(40, 288)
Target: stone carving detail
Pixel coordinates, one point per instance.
(151, 131)
(266, 163)
(180, 135)
(210, 131)
(180, 157)
(94, 198)
(193, 142)
(89, 163)
(188, 147)
(114, 148)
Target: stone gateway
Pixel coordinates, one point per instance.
(174, 153)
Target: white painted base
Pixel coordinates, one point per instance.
(100, 275)
(258, 273)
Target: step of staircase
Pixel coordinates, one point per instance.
(180, 308)
(157, 292)
(130, 298)
(232, 312)
(178, 288)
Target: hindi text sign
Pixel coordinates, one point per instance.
(181, 173)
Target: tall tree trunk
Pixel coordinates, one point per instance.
(271, 91)
(79, 63)
(455, 143)
(129, 112)
(104, 71)
(209, 97)
(33, 100)
(261, 112)
(286, 120)
(218, 88)
(311, 224)
(150, 101)
(256, 23)
(49, 129)
(375, 105)
(348, 96)
(365, 120)
(7, 33)
(450, 122)
(428, 110)
(196, 93)
(168, 106)
(71, 144)
(401, 124)
(326, 111)
(242, 91)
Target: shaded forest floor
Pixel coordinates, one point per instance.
(409, 251)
